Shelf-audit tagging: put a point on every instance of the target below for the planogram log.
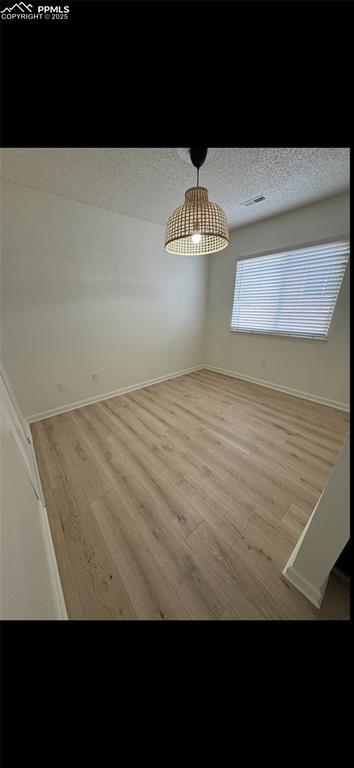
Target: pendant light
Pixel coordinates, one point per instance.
(197, 226)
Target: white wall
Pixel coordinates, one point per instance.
(325, 535)
(86, 290)
(317, 368)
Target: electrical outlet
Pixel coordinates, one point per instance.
(264, 363)
(61, 386)
(95, 377)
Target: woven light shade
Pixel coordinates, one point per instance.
(197, 215)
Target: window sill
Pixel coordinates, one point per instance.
(280, 336)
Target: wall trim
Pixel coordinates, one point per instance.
(52, 558)
(206, 366)
(281, 388)
(314, 594)
(61, 607)
(108, 395)
(298, 581)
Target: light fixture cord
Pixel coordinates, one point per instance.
(197, 222)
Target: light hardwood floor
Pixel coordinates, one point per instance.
(184, 500)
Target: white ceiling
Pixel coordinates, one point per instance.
(150, 183)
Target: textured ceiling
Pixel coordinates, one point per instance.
(150, 183)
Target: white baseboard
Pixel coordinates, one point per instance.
(150, 382)
(61, 607)
(312, 593)
(280, 388)
(309, 590)
(108, 395)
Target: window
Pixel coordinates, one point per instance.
(292, 293)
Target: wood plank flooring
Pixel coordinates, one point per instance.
(184, 500)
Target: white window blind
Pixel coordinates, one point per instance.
(291, 293)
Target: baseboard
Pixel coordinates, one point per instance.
(108, 395)
(61, 607)
(302, 585)
(314, 594)
(280, 388)
(206, 366)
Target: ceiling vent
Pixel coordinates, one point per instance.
(253, 201)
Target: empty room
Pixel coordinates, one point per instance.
(175, 384)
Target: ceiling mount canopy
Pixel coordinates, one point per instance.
(198, 156)
(197, 226)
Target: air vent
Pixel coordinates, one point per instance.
(253, 201)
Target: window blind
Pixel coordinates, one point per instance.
(291, 293)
